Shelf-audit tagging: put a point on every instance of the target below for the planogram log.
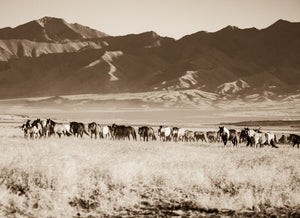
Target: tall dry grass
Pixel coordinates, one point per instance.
(83, 177)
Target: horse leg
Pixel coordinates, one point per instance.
(273, 144)
(224, 138)
(255, 142)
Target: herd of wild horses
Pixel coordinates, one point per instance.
(252, 137)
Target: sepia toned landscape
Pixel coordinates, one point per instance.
(150, 109)
(84, 177)
(80, 177)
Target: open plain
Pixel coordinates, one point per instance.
(74, 177)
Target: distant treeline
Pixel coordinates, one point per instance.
(265, 123)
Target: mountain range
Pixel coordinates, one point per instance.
(50, 57)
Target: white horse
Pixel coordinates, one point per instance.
(45, 128)
(62, 129)
(32, 132)
(181, 134)
(261, 138)
(105, 132)
(168, 131)
(165, 133)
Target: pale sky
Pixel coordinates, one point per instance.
(173, 18)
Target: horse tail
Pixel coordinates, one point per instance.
(205, 138)
(133, 134)
(86, 132)
(153, 137)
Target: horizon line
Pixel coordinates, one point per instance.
(137, 33)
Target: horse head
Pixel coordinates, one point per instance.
(257, 130)
(290, 138)
(36, 122)
(140, 130)
(113, 129)
(174, 130)
(28, 124)
(90, 126)
(23, 127)
(221, 130)
(44, 123)
(114, 125)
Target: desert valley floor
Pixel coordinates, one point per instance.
(76, 177)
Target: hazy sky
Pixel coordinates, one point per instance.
(173, 18)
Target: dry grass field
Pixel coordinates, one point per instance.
(72, 177)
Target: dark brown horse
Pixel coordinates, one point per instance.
(77, 129)
(94, 129)
(122, 132)
(174, 134)
(212, 136)
(228, 135)
(51, 125)
(145, 132)
(294, 139)
(200, 136)
(189, 136)
(244, 137)
(283, 140)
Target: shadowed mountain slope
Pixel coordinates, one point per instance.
(51, 57)
(50, 29)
